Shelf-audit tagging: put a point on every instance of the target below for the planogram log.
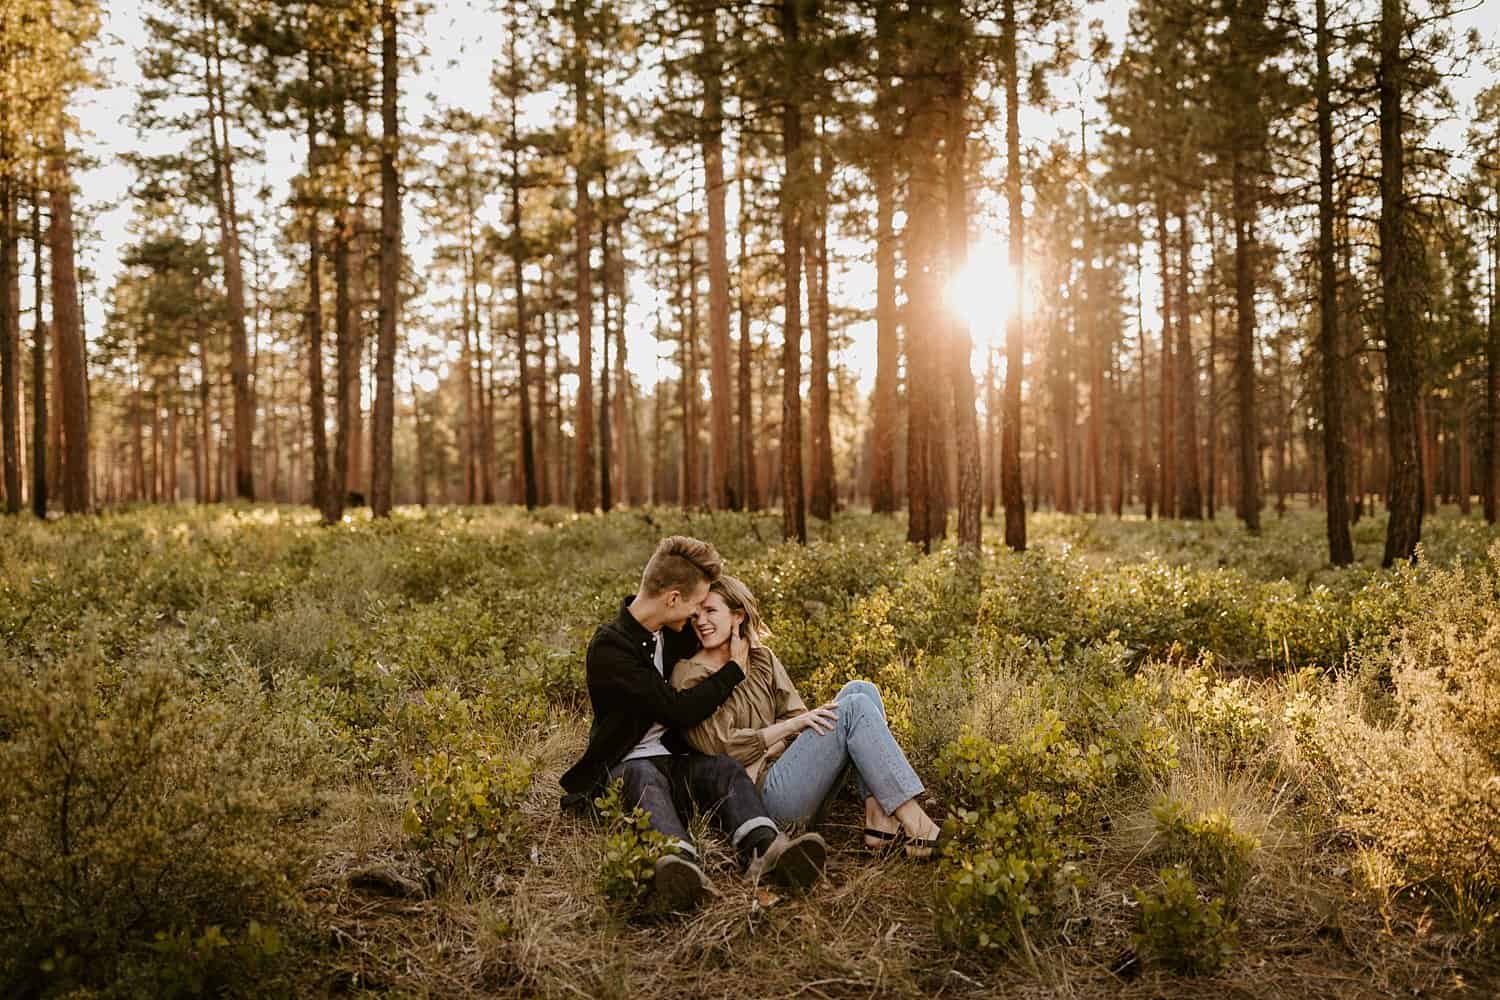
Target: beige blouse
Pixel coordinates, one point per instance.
(765, 696)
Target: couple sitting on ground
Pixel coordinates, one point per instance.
(693, 711)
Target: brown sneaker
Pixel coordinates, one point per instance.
(793, 863)
(679, 885)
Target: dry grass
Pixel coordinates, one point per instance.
(536, 925)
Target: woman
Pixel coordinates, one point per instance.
(797, 755)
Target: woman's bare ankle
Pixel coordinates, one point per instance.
(877, 818)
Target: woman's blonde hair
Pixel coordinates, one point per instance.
(738, 598)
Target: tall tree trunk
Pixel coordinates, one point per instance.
(1492, 384)
(354, 470)
(820, 436)
(1427, 432)
(488, 456)
(1282, 418)
(606, 440)
(518, 268)
(749, 480)
(887, 345)
(205, 431)
(383, 416)
(67, 321)
(1465, 462)
(1248, 499)
(544, 438)
(221, 153)
(627, 454)
(991, 435)
(1167, 423)
(794, 512)
(421, 435)
(1010, 453)
(1064, 403)
(322, 480)
(927, 328)
(722, 491)
(17, 351)
(583, 426)
(1398, 304)
(345, 359)
(1147, 466)
(137, 434)
(1212, 289)
(39, 419)
(1189, 488)
(960, 375)
(1335, 467)
(1089, 334)
(9, 362)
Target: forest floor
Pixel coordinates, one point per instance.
(250, 755)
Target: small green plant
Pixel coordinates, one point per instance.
(631, 850)
(1007, 869)
(1017, 806)
(466, 804)
(1208, 844)
(1223, 718)
(186, 964)
(1181, 931)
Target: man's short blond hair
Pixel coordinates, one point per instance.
(680, 563)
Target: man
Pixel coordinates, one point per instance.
(635, 735)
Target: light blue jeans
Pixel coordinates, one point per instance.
(804, 777)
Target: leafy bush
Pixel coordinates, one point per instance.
(1181, 931)
(137, 805)
(631, 850)
(1012, 831)
(1207, 844)
(466, 805)
(1226, 722)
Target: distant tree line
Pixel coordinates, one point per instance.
(1244, 270)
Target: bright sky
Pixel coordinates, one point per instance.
(458, 35)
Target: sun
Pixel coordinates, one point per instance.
(983, 293)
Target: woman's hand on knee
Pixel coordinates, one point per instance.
(821, 719)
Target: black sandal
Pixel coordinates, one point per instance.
(905, 841)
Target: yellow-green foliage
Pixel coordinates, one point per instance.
(1223, 717)
(631, 850)
(467, 803)
(1013, 831)
(1207, 844)
(1181, 931)
(244, 667)
(138, 804)
(1417, 768)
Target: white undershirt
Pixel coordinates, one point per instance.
(651, 744)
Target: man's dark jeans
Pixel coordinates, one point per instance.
(672, 786)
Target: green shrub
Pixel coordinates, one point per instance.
(1225, 721)
(1182, 932)
(1207, 844)
(631, 850)
(1012, 831)
(185, 963)
(138, 804)
(466, 805)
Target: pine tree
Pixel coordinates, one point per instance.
(1336, 487)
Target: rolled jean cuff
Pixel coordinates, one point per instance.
(897, 796)
(754, 823)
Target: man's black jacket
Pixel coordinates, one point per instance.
(628, 695)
